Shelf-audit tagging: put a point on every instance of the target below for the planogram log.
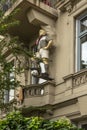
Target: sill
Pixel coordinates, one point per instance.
(75, 74)
(77, 79)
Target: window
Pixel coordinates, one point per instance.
(83, 125)
(9, 94)
(81, 26)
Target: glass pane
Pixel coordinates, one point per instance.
(11, 94)
(83, 24)
(12, 75)
(6, 96)
(84, 126)
(84, 52)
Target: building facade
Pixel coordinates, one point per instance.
(66, 94)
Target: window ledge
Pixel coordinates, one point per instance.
(77, 78)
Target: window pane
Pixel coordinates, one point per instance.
(84, 52)
(83, 24)
(11, 94)
(11, 76)
(6, 96)
(84, 126)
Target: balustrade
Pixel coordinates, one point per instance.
(40, 94)
(33, 91)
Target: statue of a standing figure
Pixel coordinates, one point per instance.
(41, 55)
(44, 42)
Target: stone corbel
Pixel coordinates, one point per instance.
(66, 7)
(69, 7)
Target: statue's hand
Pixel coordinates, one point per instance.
(45, 48)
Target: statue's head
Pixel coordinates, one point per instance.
(42, 32)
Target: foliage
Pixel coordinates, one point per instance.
(15, 121)
(8, 21)
(10, 45)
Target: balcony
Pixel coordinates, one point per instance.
(5, 5)
(38, 95)
(71, 93)
(31, 16)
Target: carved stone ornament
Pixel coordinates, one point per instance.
(80, 79)
(66, 7)
(69, 7)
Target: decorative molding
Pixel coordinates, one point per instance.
(67, 5)
(34, 91)
(79, 79)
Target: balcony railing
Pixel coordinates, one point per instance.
(38, 95)
(6, 4)
(33, 91)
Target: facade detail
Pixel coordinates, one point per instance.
(80, 79)
(54, 84)
(40, 59)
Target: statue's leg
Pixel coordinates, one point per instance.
(34, 80)
(46, 65)
(42, 66)
(46, 68)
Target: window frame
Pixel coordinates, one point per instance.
(7, 93)
(82, 123)
(79, 35)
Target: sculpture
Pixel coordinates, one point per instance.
(42, 48)
(43, 45)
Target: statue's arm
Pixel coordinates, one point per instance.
(49, 44)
